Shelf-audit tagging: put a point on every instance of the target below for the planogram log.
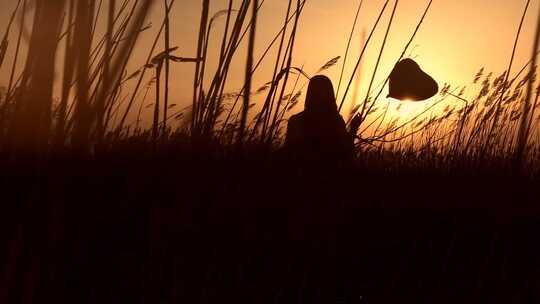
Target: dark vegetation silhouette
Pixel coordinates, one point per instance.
(206, 204)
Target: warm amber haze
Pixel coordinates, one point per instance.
(269, 151)
(450, 40)
(456, 40)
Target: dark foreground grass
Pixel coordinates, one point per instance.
(185, 225)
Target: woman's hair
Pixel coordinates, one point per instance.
(320, 96)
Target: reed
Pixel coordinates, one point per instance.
(97, 94)
(267, 107)
(212, 103)
(83, 42)
(363, 113)
(510, 64)
(141, 75)
(418, 26)
(5, 105)
(155, 125)
(347, 50)
(259, 62)
(362, 52)
(200, 45)
(248, 74)
(167, 66)
(526, 116)
(274, 126)
(32, 116)
(106, 73)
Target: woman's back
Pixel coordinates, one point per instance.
(319, 132)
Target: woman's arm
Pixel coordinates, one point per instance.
(355, 125)
(293, 135)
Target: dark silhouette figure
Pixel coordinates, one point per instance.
(409, 82)
(319, 133)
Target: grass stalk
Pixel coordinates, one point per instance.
(15, 61)
(248, 75)
(267, 107)
(503, 90)
(200, 45)
(263, 56)
(167, 67)
(142, 73)
(100, 104)
(347, 49)
(4, 44)
(363, 51)
(273, 128)
(524, 128)
(155, 125)
(69, 65)
(385, 39)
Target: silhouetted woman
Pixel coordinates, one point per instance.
(319, 133)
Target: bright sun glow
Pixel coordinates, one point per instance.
(408, 108)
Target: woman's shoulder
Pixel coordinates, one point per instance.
(296, 118)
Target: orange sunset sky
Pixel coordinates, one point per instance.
(456, 40)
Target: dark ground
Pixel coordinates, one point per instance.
(192, 227)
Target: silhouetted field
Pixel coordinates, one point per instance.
(204, 205)
(207, 226)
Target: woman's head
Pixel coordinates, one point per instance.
(320, 96)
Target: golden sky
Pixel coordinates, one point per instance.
(456, 40)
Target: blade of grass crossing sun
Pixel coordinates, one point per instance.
(420, 22)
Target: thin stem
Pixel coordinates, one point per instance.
(248, 75)
(362, 113)
(524, 128)
(347, 49)
(362, 53)
(167, 67)
(503, 90)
